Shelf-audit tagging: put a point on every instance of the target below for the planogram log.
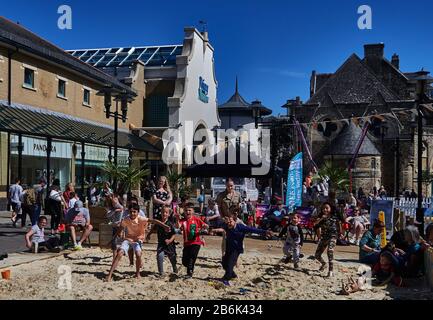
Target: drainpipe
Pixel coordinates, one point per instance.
(10, 53)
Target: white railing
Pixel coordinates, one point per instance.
(409, 205)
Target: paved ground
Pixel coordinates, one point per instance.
(12, 239)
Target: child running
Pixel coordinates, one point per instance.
(190, 227)
(328, 222)
(235, 234)
(166, 244)
(294, 240)
(134, 237)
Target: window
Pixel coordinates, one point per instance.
(86, 97)
(29, 78)
(425, 164)
(61, 90)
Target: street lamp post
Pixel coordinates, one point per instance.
(124, 98)
(256, 105)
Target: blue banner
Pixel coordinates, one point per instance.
(387, 206)
(294, 183)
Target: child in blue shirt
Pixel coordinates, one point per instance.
(235, 234)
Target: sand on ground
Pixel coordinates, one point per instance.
(262, 275)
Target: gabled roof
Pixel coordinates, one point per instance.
(17, 36)
(345, 143)
(353, 82)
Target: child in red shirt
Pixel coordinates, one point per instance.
(192, 241)
(384, 271)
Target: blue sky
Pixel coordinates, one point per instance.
(271, 45)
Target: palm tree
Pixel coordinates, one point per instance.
(126, 177)
(338, 176)
(178, 184)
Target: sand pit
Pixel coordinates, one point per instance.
(261, 276)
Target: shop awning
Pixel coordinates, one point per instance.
(30, 120)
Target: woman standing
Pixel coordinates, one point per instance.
(67, 193)
(162, 197)
(55, 201)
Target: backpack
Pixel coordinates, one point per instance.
(29, 198)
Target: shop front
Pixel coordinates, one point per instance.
(95, 157)
(34, 163)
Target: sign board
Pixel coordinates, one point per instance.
(387, 206)
(305, 214)
(38, 147)
(203, 90)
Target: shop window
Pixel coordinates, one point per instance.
(61, 89)
(86, 97)
(29, 78)
(156, 111)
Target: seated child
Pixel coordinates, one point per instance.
(35, 238)
(385, 272)
(134, 237)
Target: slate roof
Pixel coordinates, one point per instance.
(354, 82)
(19, 118)
(17, 36)
(345, 143)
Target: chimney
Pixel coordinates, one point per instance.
(373, 50)
(395, 61)
(298, 101)
(313, 83)
(205, 36)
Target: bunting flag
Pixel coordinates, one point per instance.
(358, 146)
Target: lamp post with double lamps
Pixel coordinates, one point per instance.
(123, 97)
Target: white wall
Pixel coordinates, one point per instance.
(196, 61)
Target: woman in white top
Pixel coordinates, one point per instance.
(55, 202)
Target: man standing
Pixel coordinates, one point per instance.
(15, 195)
(229, 199)
(228, 202)
(39, 197)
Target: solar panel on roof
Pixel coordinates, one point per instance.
(78, 53)
(87, 55)
(111, 57)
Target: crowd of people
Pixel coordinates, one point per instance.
(333, 222)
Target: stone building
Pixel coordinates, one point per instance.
(374, 87)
